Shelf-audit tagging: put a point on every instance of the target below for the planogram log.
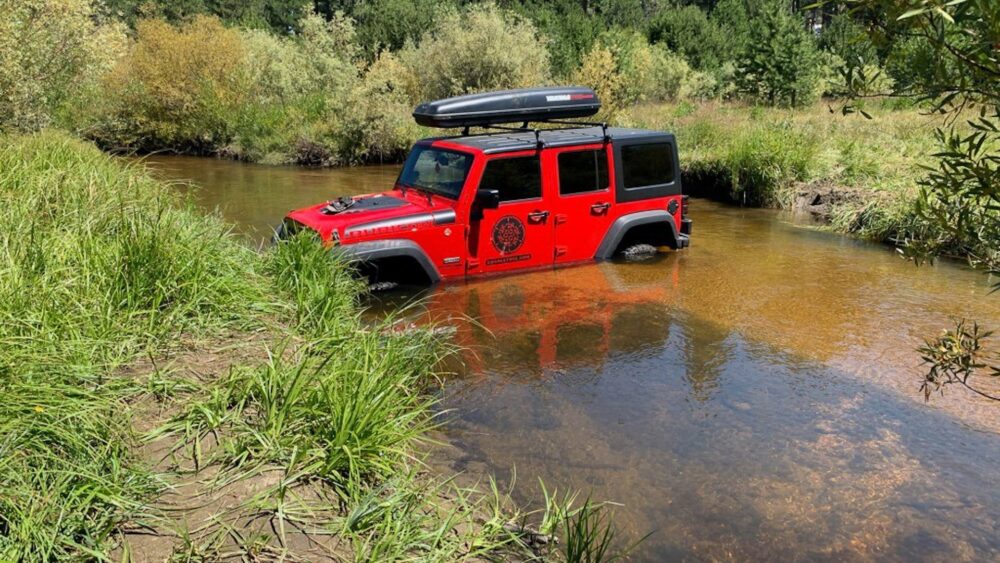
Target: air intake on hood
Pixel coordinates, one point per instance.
(342, 204)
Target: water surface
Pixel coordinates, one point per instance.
(752, 397)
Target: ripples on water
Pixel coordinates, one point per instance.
(753, 397)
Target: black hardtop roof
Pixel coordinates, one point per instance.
(509, 141)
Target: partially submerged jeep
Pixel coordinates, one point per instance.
(511, 197)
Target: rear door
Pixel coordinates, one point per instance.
(582, 203)
(518, 234)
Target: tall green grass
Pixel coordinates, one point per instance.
(98, 263)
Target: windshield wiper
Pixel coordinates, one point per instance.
(429, 192)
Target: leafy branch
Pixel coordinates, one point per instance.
(954, 357)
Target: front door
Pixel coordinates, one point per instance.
(518, 234)
(582, 203)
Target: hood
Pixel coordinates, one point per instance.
(362, 216)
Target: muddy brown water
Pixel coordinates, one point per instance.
(752, 397)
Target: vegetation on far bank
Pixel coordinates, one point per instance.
(171, 393)
(337, 86)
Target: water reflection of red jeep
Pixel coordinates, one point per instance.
(511, 198)
(522, 326)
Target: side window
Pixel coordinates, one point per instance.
(647, 165)
(515, 178)
(583, 171)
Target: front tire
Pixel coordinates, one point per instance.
(638, 252)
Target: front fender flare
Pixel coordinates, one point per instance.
(622, 225)
(375, 250)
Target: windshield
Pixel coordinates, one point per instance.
(438, 171)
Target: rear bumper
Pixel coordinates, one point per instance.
(686, 226)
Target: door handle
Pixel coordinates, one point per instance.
(538, 216)
(600, 207)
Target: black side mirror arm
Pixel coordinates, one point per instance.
(485, 199)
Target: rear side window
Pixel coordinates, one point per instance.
(583, 171)
(514, 178)
(647, 165)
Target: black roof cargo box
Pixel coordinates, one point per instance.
(509, 106)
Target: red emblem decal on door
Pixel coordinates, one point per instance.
(508, 234)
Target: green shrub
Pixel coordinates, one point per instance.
(49, 49)
(620, 68)
(624, 69)
(330, 46)
(671, 78)
(478, 48)
(912, 61)
(379, 127)
(176, 87)
(278, 73)
(278, 16)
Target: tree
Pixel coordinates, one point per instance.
(622, 13)
(389, 24)
(688, 31)
(779, 64)
(846, 38)
(280, 16)
(570, 29)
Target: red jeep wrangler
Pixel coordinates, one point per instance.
(511, 198)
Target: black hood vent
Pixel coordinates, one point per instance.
(349, 204)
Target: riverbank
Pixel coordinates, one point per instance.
(857, 175)
(170, 392)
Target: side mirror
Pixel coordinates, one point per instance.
(488, 199)
(485, 199)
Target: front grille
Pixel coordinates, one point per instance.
(288, 229)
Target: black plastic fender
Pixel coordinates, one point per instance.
(375, 250)
(622, 225)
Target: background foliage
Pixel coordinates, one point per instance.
(280, 81)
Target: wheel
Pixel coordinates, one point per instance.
(638, 252)
(382, 286)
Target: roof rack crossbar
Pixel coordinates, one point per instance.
(579, 124)
(524, 127)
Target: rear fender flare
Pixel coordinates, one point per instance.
(622, 225)
(373, 251)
